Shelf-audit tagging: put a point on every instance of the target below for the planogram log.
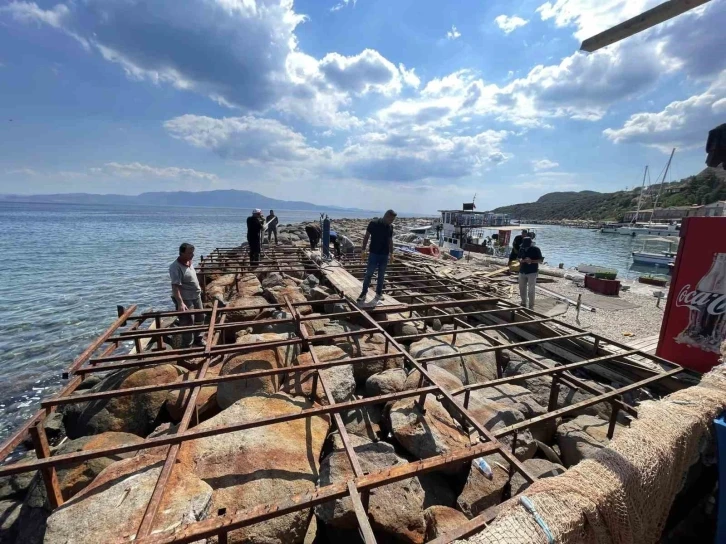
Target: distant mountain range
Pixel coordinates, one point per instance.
(211, 199)
(706, 187)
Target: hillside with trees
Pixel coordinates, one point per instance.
(703, 188)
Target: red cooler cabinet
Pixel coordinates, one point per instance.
(694, 325)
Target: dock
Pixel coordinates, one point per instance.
(309, 305)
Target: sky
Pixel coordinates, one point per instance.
(415, 105)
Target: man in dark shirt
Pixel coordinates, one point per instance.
(314, 233)
(530, 257)
(516, 244)
(380, 233)
(255, 224)
(271, 222)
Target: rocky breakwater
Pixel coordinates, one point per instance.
(238, 470)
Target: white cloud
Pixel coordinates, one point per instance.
(453, 34)
(509, 24)
(30, 12)
(394, 156)
(22, 172)
(244, 139)
(544, 164)
(591, 17)
(683, 123)
(138, 170)
(409, 77)
(341, 5)
(366, 72)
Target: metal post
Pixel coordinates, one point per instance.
(50, 477)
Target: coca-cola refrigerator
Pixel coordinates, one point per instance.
(694, 325)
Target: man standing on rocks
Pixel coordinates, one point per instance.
(314, 233)
(380, 233)
(530, 257)
(271, 221)
(187, 294)
(255, 224)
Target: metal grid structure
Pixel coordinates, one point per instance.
(422, 297)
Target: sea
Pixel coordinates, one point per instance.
(66, 267)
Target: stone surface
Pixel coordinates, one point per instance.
(541, 468)
(427, 435)
(475, 368)
(264, 359)
(219, 287)
(9, 513)
(122, 491)
(242, 302)
(15, 486)
(364, 421)
(383, 383)
(260, 465)
(581, 438)
(339, 379)
(480, 492)
(362, 346)
(441, 520)
(248, 285)
(441, 376)
(137, 414)
(206, 399)
(541, 386)
(395, 509)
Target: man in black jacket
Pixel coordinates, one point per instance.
(255, 224)
(380, 233)
(530, 257)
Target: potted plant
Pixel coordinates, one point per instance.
(603, 283)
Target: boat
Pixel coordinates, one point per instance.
(661, 258)
(595, 269)
(610, 228)
(651, 229)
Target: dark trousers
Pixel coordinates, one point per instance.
(187, 320)
(270, 232)
(255, 249)
(377, 262)
(313, 241)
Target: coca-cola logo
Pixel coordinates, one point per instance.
(713, 303)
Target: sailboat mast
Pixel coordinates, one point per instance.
(640, 197)
(662, 182)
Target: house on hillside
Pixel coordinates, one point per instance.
(672, 213)
(715, 209)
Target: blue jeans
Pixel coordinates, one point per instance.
(378, 262)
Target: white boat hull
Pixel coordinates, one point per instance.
(642, 257)
(635, 231)
(609, 230)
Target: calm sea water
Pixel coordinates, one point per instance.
(66, 267)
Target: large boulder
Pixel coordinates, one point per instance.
(137, 414)
(219, 287)
(441, 376)
(474, 368)
(540, 387)
(481, 492)
(364, 421)
(541, 468)
(581, 438)
(249, 286)
(241, 307)
(389, 381)
(362, 346)
(441, 520)
(9, 513)
(425, 435)
(262, 464)
(497, 415)
(339, 379)
(15, 486)
(229, 392)
(122, 491)
(395, 510)
(206, 398)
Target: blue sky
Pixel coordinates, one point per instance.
(411, 104)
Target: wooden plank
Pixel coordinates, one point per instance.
(345, 282)
(652, 17)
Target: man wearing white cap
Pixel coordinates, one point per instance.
(255, 225)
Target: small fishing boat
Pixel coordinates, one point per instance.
(610, 228)
(661, 258)
(653, 279)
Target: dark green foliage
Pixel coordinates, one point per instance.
(707, 187)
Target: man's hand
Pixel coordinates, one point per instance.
(184, 307)
(527, 260)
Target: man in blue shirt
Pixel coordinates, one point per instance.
(380, 233)
(530, 257)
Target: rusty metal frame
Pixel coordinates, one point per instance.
(477, 298)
